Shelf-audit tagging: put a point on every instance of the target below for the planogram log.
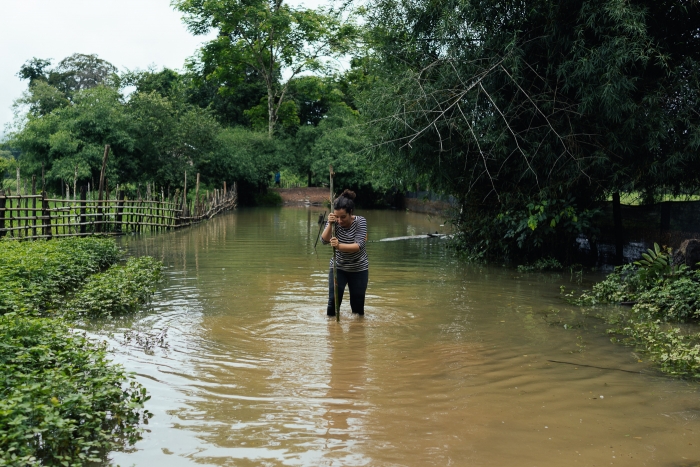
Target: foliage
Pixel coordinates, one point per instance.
(676, 353)
(35, 276)
(654, 263)
(72, 74)
(550, 225)
(7, 163)
(268, 37)
(542, 264)
(269, 199)
(507, 106)
(71, 138)
(118, 290)
(64, 402)
(675, 299)
(243, 155)
(656, 299)
(170, 137)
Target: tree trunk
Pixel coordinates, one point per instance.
(619, 234)
(271, 113)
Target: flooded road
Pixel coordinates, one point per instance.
(451, 366)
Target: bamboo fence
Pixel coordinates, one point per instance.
(37, 216)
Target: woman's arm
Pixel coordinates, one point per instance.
(345, 247)
(327, 232)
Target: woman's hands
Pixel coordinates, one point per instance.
(334, 242)
(332, 218)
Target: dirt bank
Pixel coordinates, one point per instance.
(303, 196)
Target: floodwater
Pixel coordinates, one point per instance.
(451, 366)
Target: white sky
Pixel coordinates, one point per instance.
(128, 33)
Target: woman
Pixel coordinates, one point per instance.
(352, 263)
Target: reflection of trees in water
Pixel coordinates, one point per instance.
(175, 248)
(346, 403)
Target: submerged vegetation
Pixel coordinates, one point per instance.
(64, 402)
(661, 313)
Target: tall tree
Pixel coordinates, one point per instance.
(529, 111)
(272, 38)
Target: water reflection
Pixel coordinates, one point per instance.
(346, 404)
(450, 365)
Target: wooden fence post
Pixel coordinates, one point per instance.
(45, 215)
(3, 200)
(120, 208)
(83, 203)
(184, 197)
(196, 198)
(98, 226)
(34, 216)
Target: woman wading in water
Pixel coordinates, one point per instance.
(353, 265)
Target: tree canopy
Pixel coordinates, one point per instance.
(270, 38)
(529, 112)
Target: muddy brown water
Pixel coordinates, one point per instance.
(449, 367)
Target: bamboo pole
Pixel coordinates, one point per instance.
(196, 197)
(102, 174)
(34, 204)
(3, 202)
(335, 271)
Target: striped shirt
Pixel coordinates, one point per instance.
(356, 233)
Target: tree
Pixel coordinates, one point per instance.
(170, 137)
(73, 137)
(270, 38)
(514, 106)
(51, 88)
(80, 71)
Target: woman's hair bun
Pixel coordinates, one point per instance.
(348, 194)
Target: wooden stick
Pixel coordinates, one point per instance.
(102, 173)
(335, 272)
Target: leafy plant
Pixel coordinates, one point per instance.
(269, 199)
(64, 402)
(542, 264)
(655, 263)
(35, 276)
(658, 294)
(676, 353)
(118, 290)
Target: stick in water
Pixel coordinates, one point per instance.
(335, 272)
(321, 222)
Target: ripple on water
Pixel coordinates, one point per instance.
(450, 366)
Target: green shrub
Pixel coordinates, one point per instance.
(542, 264)
(621, 285)
(677, 354)
(63, 402)
(658, 293)
(118, 290)
(34, 276)
(269, 199)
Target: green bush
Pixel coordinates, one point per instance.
(63, 402)
(676, 353)
(542, 264)
(34, 276)
(269, 199)
(658, 294)
(118, 290)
